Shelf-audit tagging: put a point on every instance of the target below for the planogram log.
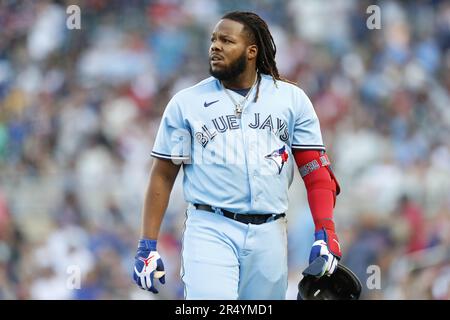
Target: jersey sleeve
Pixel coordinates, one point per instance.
(173, 140)
(307, 134)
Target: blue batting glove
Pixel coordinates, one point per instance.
(326, 246)
(148, 266)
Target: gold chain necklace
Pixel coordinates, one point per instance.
(239, 106)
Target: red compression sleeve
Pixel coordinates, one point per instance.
(321, 190)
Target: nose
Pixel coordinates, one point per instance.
(214, 47)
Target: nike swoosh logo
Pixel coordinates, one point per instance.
(206, 105)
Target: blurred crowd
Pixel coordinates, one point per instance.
(79, 110)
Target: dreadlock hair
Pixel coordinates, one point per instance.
(259, 34)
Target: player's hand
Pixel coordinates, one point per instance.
(326, 246)
(148, 266)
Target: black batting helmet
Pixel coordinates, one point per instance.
(343, 284)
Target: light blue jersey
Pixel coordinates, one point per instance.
(241, 164)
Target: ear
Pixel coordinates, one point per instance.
(252, 51)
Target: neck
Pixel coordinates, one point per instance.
(243, 81)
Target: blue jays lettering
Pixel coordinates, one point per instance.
(230, 122)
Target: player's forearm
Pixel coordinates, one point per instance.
(155, 205)
(157, 197)
(321, 190)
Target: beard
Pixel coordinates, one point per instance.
(233, 71)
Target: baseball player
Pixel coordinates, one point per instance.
(238, 136)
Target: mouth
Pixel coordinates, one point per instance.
(215, 58)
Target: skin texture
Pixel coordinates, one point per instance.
(162, 178)
(230, 42)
